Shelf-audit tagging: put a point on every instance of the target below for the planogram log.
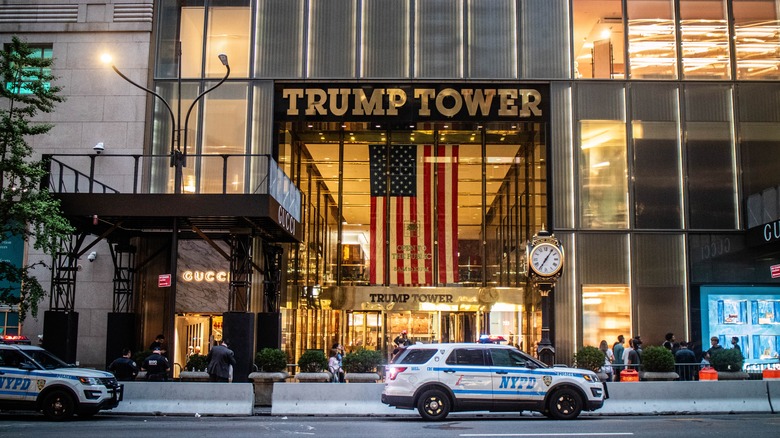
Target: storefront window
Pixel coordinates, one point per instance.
(757, 36)
(598, 39)
(228, 33)
(604, 183)
(652, 49)
(606, 313)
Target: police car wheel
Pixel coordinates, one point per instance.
(58, 405)
(433, 405)
(564, 404)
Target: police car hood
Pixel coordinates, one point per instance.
(82, 372)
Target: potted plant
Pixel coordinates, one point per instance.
(195, 369)
(592, 359)
(138, 358)
(658, 364)
(361, 364)
(311, 367)
(272, 365)
(728, 364)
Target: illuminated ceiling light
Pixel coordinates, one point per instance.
(606, 33)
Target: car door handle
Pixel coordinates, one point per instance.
(449, 371)
(502, 372)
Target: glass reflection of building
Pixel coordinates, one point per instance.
(651, 159)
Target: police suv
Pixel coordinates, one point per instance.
(441, 378)
(31, 378)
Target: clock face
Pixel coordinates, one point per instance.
(546, 259)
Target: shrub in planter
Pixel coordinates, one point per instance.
(196, 362)
(589, 358)
(727, 360)
(139, 356)
(271, 360)
(362, 361)
(312, 361)
(657, 359)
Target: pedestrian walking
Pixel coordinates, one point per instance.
(221, 361)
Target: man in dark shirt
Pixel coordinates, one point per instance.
(715, 346)
(124, 368)
(156, 366)
(685, 361)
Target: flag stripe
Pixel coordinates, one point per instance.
(416, 176)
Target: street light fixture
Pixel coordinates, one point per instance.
(178, 155)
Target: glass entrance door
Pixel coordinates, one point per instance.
(458, 326)
(363, 330)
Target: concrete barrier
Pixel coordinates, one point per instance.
(359, 399)
(636, 398)
(710, 397)
(181, 398)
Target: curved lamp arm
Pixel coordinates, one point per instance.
(223, 58)
(170, 111)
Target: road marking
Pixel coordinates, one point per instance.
(549, 434)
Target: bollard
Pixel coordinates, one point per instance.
(629, 375)
(708, 373)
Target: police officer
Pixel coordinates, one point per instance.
(124, 368)
(156, 366)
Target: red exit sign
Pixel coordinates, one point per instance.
(164, 280)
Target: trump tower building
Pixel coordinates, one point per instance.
(296, 173)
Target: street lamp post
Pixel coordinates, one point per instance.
(178, 162)
(178, 156)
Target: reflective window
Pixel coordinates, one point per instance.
(757, 37)
(279, 40)
(224, 132)
(466, 356)
(598, 39)
(606, 313)
(656, 175)
(710, 157)
(704, 39)
(651, 39)
(603, 178)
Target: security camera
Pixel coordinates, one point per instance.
(92, 256)
(99, 148)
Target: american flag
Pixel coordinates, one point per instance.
(405, 221)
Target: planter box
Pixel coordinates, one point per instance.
(657, 376)
(362, 377)
(733, 375)
(264, 386)
(194, 376)
(313, 377)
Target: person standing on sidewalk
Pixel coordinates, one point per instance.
(221, 362)
(617, 350)
(124, 368)
(156, 366)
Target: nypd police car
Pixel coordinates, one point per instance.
(31, 378)
(441, 378)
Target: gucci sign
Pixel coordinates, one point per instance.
(286, 220)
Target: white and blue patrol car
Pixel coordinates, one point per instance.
(31, 378)
(441, 378)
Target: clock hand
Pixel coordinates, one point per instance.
(545, 259)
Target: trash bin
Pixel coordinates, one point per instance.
(629, 375)
(708, 373)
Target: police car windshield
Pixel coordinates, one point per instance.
(45, 359)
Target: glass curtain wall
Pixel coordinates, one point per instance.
(436, 232)
(660, 35)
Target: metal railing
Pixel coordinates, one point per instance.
(145, 174)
